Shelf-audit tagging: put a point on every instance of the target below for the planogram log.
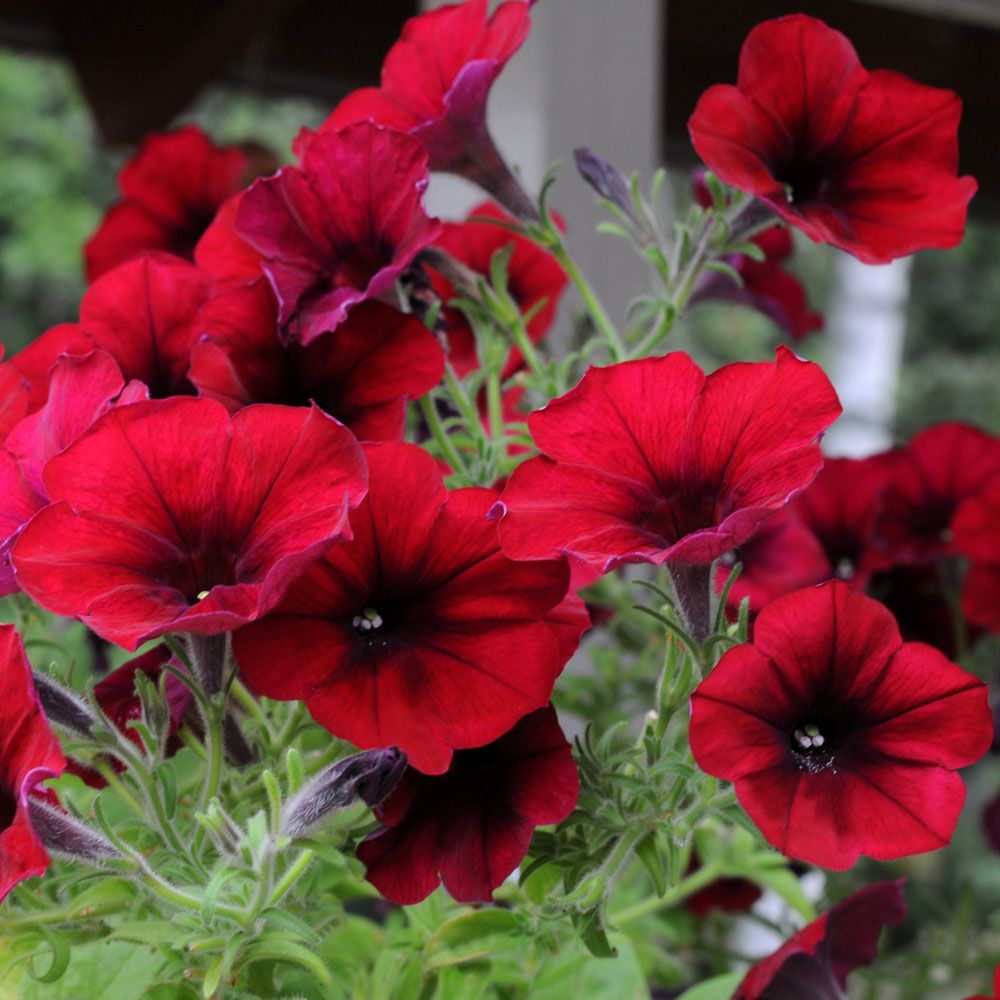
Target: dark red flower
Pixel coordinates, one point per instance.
(435, 85)
(840, 738)
(534, 276)
(471, 826)
(362, 373)
(816, 962)
(340, 229)
(940, 468)
(419, 633)
(652, 461)
(81, 388)
(864, 160)
(767, 287)
(976, 527)
(728, 895)
(840, 508)
(29, 754)
(782, 556)
(116, 694)
(168, 516)
(170, 189)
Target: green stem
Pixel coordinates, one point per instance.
(444, 442)
(686, 887)
(216, 752)
(299, 865)
(605, 327)
(494, 406)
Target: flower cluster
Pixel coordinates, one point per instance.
(222, 455)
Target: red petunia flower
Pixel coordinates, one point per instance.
(168, 516)
(340, 229)
(471, 827)
(782, 556)
(29, 754)
(435, 85)
(840, 738)
(652, 461)
(767, 287)
(976, 527)
(419, 633)
(534, 276)
(864, 160)
(81, 388)
(727, 894)
(816, 962)
(840, 508)
(171, 189)
(940, 468)
(362, 373)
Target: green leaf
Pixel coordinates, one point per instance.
(110, 970)
(723, 268)
(653, 858)
(717, 988)
(472, 936)
(591, 929)
(540, 882)
(60, 957)
(285, 948)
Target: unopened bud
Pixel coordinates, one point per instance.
(64, 707)
(369, 776)
(68, 836)
(606, 179)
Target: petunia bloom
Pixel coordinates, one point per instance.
(840, 738)
(29, 754)
(342, 228)
(362, 373)
(419, 633)
(652, 461)
(168, 516)
(170, 189)
(435, 85)
(816, 962)
(535, 280)
(940, 468)
(471, 826)
(33, 365)
(864, 160)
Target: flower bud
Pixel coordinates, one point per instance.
(63, 706)
(606, 179)
(369, 776)
(65, 835)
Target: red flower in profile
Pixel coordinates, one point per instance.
(340, 229)
(81, 388)
(362, 373)
(840, 738)
(534, 277)
(816, 962)
(767, 286)
(940, 468)
(652, 461)
(976, 528)
(29, 754)
(419, 633)
(435, 85)
(168, 516)
(170, 189)
(864, 160)
(471, 826)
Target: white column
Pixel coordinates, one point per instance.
(588, 75)
(865, 330)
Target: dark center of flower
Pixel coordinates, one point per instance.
(804, 181)
(8, 807)
(813, 745)
(370, 627)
